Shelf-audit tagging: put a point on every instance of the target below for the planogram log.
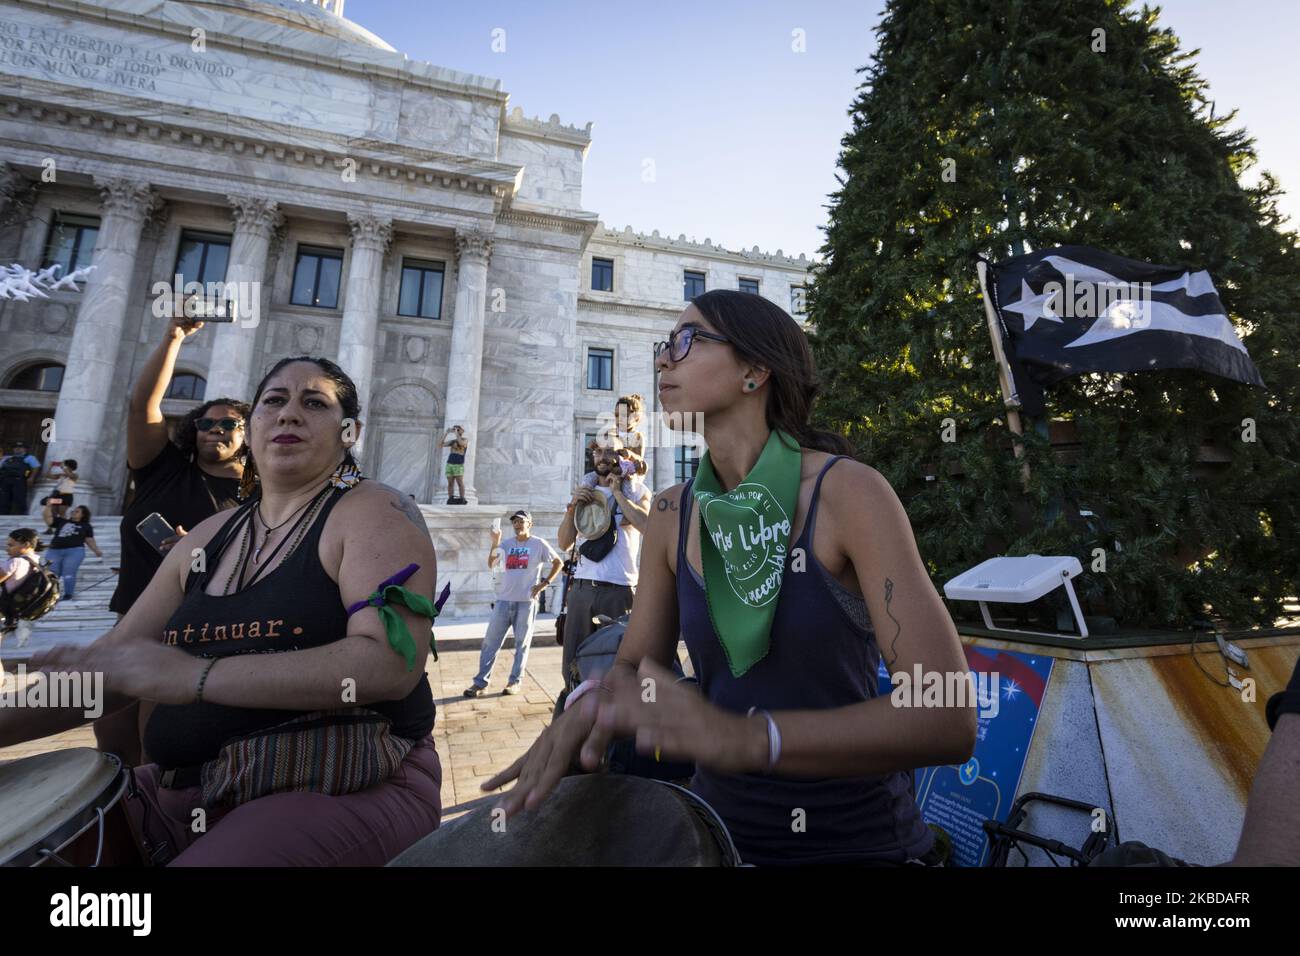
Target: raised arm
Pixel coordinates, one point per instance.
(146, 429)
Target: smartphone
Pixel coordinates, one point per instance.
(54, 500)
(155, 530)
(496, 524)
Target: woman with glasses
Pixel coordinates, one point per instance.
(184, 480)
(791, 572)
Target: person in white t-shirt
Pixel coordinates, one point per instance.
(607, 586)
(516, 603)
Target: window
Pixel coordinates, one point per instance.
(71, 243)
(47, 377)
(184, 385)
(692, 284)
(316, 277)
(600, 369)
(749, 285)
(798, 300)
(203, 257)
(686, 459)
(421, 293)
(602, 275)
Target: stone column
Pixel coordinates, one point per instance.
(370, 238)
(465, 363)
(92, 358)
(12, 187)
(232, 362)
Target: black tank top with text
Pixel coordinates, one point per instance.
(296, 606)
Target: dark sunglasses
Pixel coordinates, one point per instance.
(679, 342)
(225, 424)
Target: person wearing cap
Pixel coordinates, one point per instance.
(516, 604)
(18, 472)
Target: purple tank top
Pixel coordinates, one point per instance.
(823, 654)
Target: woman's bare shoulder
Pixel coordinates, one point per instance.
(374, 501)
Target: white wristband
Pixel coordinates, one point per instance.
(581, 689)
(773, 737)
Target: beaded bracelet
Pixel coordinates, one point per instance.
(203, 679)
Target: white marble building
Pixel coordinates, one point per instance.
(397, 216)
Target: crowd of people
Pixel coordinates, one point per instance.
(306, 627)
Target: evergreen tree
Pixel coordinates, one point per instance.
(993, 127)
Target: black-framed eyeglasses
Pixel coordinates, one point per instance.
(225, 424)
(679, 342)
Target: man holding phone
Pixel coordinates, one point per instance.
(516, 603)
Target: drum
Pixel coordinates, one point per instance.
(65, 808)
(588, 820)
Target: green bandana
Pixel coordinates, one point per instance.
(744, 537)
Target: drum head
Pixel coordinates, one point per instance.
(592, 519)
(589, 820)
(42, 794)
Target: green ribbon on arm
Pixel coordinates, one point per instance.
(744, 543)
(399, 635)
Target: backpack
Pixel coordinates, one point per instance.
(14, 466)
(37, 593)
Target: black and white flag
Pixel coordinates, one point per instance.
(1074, 309)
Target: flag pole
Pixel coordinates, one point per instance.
(1005, 381)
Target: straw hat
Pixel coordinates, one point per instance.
(592, 519)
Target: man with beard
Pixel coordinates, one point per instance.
(604, 586)
(185, 479)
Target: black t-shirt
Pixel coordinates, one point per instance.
(296, 606)
(70, 534)
(183, 494)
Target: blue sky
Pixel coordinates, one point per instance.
(744, 132)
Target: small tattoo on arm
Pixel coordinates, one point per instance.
(665, 504)
(412, 512)
(892, 656)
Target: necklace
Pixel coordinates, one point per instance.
(241, 562)
(257, 510)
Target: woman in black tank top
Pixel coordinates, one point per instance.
(247, 627)
(793, 746)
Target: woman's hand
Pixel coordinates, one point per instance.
(181, 327)
(671, 721)
(136, 668)
(168, 543)
(547, 760)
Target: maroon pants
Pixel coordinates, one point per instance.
(367, 828)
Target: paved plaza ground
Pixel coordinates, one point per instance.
(475, 738)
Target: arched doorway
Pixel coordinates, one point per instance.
(401, 439)
(28, 397)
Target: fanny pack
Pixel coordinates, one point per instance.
(598, 548)
(326, 751)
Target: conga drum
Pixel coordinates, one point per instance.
(65, 808)
(588, 820)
